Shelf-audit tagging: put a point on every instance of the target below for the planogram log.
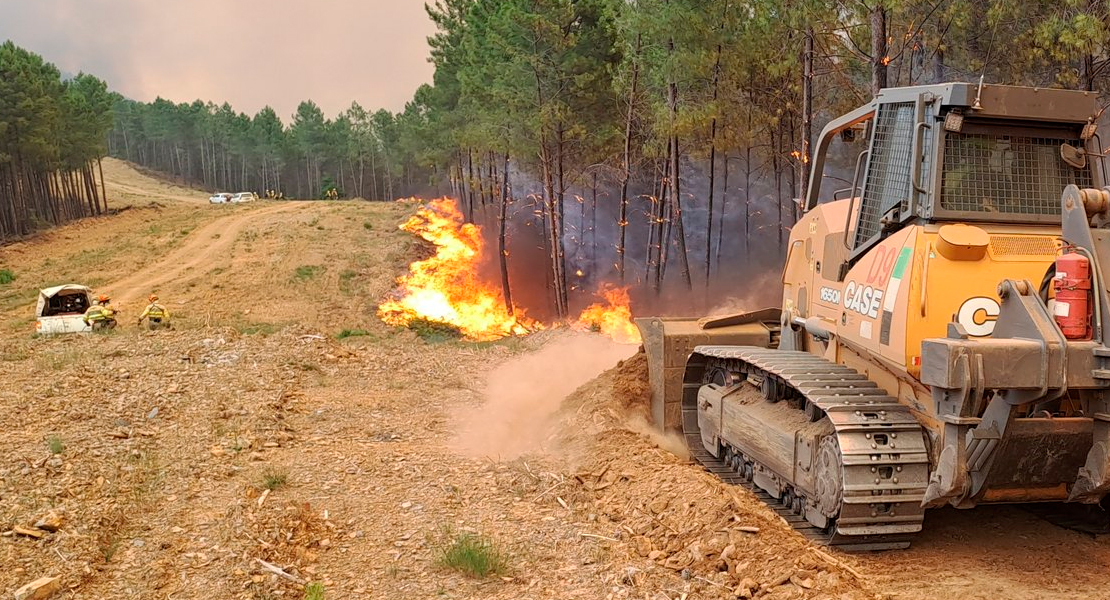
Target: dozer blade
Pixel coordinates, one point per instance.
(669, 341)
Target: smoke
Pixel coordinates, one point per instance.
(523, 395)
(745, 243)
(746, 240)
(252, 53)
(755, 298)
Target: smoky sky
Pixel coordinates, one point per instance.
(251, 53)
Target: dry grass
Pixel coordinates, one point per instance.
(273, 479)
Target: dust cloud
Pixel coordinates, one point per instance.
(670, 441)
(523, 395)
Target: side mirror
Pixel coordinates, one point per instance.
(1076, 157)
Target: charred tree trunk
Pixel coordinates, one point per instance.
(502, 248)
(622, 219)
(748, 195)
(494, 184)
(470, 184)
(776, 166)
(724, 211)
(879, 57)
(938, 55)
(676, 187)
(481, 184)
(657, 221)
(676, 205)
(712, 168)
(807, 112)
(593, 223)
(1089, 72)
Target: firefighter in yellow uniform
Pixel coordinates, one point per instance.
(157, 316)
(100, 315)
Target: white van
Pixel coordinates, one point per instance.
(61, 309)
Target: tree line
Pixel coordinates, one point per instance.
(53, 133)
(213, 146)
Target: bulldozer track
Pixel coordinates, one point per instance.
(885, 465)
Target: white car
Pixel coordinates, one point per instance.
(220, 198)
(244, 197)
(62, 309)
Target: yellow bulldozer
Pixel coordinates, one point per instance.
(941, 339)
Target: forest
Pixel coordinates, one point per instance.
(53, 133)
(675, 131)
(652, 143)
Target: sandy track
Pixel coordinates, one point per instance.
(203, 249)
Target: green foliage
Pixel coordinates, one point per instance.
(348, 333)
(307, 272)
(55, 444)
(434, 331)
(6, 276)
(314, 591)
(472, 555)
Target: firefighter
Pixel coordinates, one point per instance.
(157, 315)
(100, 315)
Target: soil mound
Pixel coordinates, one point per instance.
(674, 521)
(630, 384)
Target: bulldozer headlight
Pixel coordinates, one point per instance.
(954, 121)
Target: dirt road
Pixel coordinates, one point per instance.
(207, 248)
(281, 422)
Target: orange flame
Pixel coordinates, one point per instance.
(612, 318)
(447, 288)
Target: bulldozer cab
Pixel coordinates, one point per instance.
(960, 152)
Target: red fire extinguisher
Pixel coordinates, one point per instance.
(1073, 288)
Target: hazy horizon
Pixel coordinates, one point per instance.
(250, 53)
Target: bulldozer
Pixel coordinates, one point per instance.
(942, 336)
